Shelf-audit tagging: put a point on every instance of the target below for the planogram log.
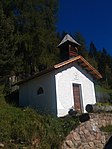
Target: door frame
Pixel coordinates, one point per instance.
(81, 95)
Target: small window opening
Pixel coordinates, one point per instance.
(40, 91)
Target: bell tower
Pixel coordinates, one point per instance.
(68, 48)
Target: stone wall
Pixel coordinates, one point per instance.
(102, 119)
(88, 135)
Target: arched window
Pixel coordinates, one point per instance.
(40, 91)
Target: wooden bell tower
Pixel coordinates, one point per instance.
(68, 48)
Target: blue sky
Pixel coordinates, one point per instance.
(92, 18)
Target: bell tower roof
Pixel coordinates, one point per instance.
(68, 39)
(68, 48)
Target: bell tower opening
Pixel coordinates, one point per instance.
(68, 48)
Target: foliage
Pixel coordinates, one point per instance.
(107, 128)
(7, 46)
(28, 36)
(29, 39)
(82, 49)
(103, 94)
(102, 89)
(93, 55)
(20, 127)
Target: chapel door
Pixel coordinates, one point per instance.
(77, 97)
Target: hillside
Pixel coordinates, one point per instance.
(26, 128)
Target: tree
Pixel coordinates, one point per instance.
(104, 67)
(93, 55)
(7, 45)
(47, 34)
(34, 33)
(92, 51)
(82, 49)
(102, 63)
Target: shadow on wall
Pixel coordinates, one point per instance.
(109, 144)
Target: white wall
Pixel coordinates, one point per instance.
(65, 77)
(45, 102)
(59, 100)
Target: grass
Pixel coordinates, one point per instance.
(103, 90)
(107, 129)
(24, 127)
(103, 95)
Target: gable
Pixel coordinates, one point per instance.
(75, 71)
(79, 60)
(68, 75)
(82, 63)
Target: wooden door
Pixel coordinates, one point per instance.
(76, 95)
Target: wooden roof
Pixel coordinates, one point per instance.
(84, 64)
(79, 59)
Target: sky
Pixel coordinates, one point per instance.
(92, 18)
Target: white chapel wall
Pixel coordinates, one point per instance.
(45, 102)
(65, 77)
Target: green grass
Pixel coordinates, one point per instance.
(20, 127)
(103, 90)
(107, 129)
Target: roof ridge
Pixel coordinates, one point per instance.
(67, 61)
(79, 57)
(82, 61)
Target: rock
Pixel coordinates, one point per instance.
(86, 131)
(1, 145)
(76, 136)
(69, 144)
(91, 144)
(103, 139)
(88, 134)
(86, 146)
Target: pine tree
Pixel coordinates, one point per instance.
(7, 46)
(34, 34)
(93, 55)
(92, 51)
(80, 39)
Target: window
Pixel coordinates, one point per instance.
(40, 91)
